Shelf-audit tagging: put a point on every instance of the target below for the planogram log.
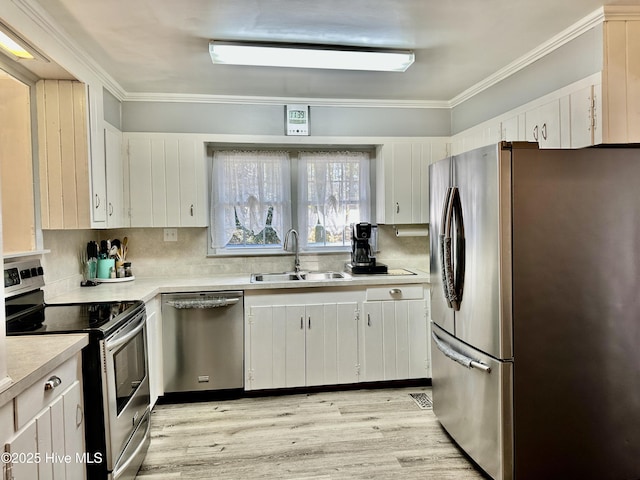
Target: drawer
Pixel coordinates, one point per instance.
(396, 292)
(37, 397)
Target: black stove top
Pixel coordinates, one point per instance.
(27, 314)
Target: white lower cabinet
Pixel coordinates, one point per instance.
(331, 337)
(394, 334)
(301, 345)
(294, 340)
(48, 436)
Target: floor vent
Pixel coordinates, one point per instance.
(422, 400)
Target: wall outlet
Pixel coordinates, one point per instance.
(170, 234)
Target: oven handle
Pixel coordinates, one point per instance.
(135, 453)
(114, 344)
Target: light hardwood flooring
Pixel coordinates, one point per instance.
(355, 434)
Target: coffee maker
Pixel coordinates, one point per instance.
(363, 258)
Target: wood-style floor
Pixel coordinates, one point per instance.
(356, 434)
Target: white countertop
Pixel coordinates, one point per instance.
(30, 357)
(148, 287)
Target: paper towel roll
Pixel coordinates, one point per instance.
(412, 231)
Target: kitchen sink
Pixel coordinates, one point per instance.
(295, 277)
(321, 275)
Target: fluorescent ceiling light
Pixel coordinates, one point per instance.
(16, 47)
(310, 56)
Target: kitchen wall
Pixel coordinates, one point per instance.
(153, 257)
(255, 119)
(572, 61)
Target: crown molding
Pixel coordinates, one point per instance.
(257, 100)
(537, 53)
(42, 20)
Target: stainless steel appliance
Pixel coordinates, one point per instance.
(363, 259)
(203, 341)
(114, 366)
(535, 257)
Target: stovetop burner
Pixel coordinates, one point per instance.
(28, 314)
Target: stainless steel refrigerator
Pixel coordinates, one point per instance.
(535, 307)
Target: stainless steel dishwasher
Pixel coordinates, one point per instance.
(203, 341)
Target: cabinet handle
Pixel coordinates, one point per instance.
(97, 202)
(397, 207)
(368, 319)
(191, 209)
(79, 415)
(544, 131)
(535, 133)
(395, 291)
(301, 323)
(110, 209)
(52, 383)
(309, 323)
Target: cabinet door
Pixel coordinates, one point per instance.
(140, 182)
(395, 344)
(403, 183)
(372, 344)
(168, 183)
(543, 125)
(63, 150)
(193, 183)
(265, 347)
(582, 117)
(58, 434)
(331, 344)
(295, 362)
(24, 444)
(74, 445)
(114, 177)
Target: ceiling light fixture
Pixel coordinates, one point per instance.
(16, 47)
(309, 56)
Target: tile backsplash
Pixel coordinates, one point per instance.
(151, 256)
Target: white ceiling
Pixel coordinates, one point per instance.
(161, 46)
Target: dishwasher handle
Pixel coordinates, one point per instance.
(190, 303)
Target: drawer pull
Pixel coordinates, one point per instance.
(395, 291)
(52, 383)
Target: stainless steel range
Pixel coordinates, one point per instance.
(114, 366)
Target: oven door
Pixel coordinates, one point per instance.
(126, 384)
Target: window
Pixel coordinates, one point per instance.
(256, 192)
(250, 198)
(333, 193)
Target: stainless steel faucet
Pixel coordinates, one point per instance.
(296, 265)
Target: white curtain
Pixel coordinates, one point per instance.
(255, 188)
(333, 192)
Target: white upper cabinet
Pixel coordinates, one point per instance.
(402, 172)
(115, 182)
(544, 124)
(167, 180)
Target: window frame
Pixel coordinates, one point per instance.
(293, 151)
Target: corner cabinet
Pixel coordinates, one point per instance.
(402, 177)
(168, 181)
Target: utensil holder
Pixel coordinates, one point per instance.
(104, 267)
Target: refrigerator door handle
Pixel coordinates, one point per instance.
(460, 248)
(454, 281)
(445, 247)
(456, 356)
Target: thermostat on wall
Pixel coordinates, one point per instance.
(297, 119)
